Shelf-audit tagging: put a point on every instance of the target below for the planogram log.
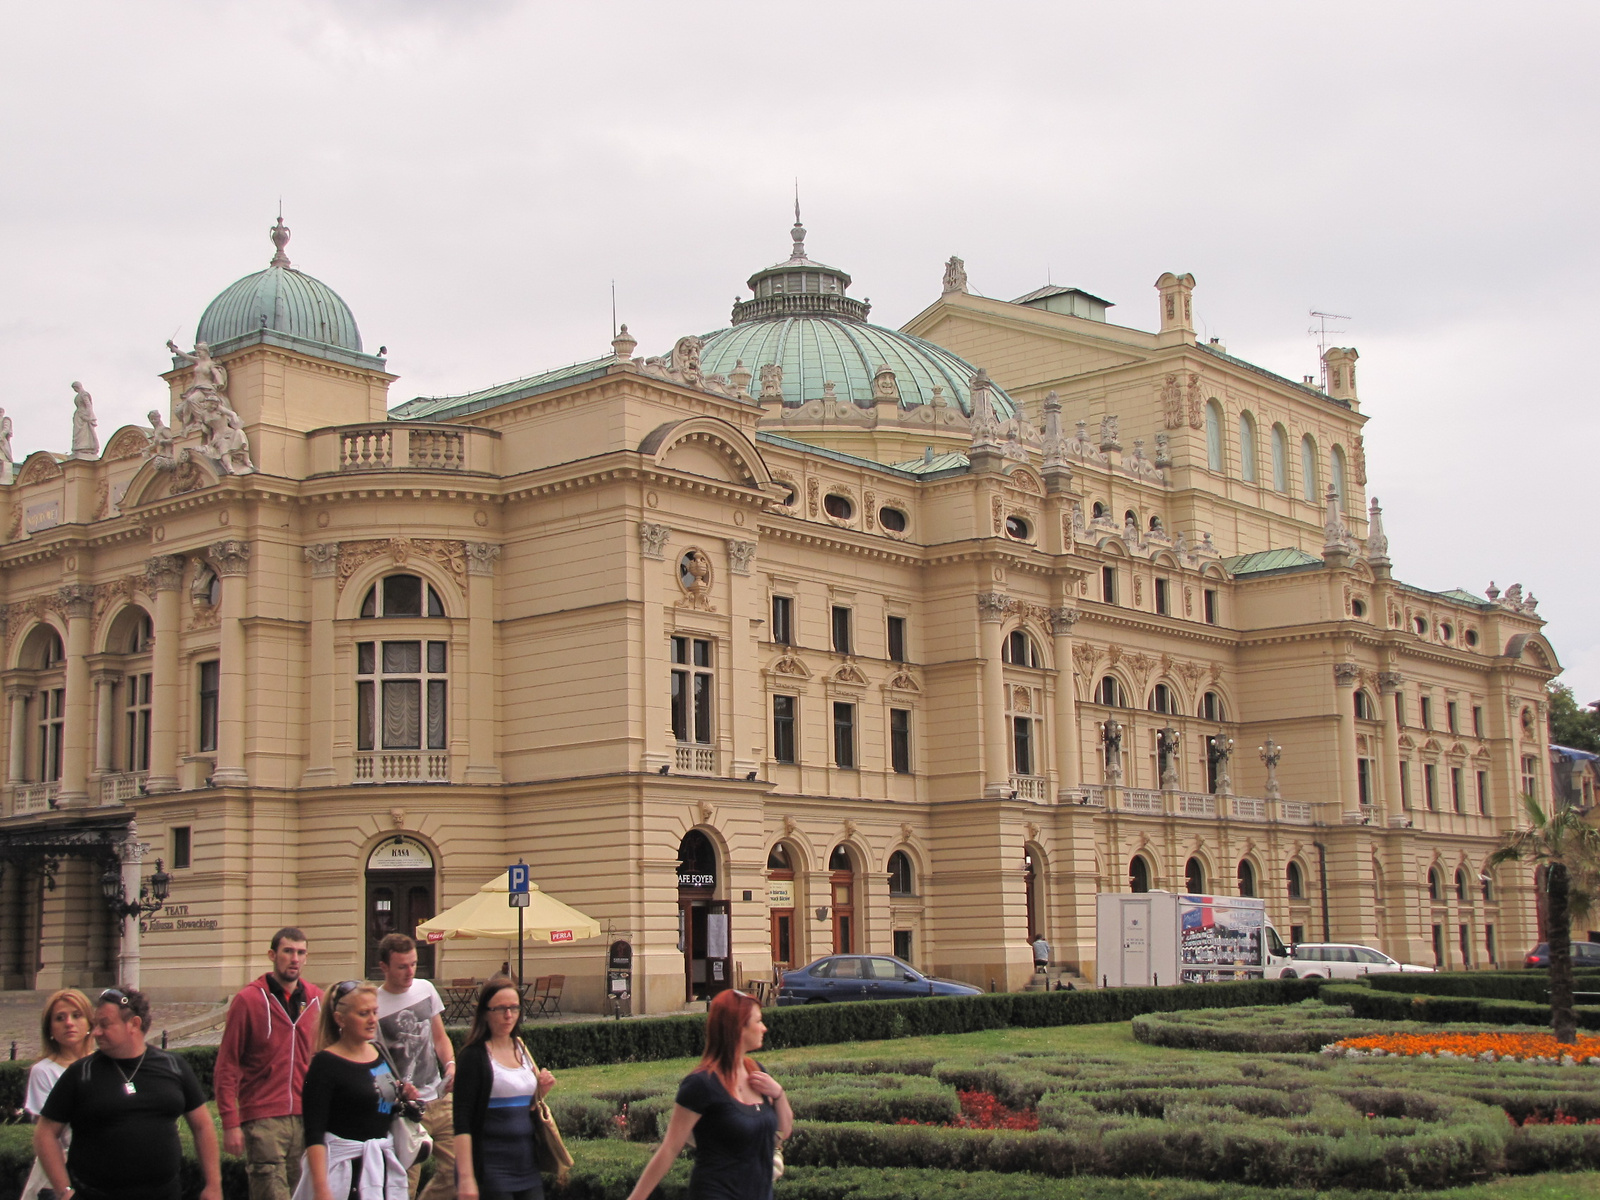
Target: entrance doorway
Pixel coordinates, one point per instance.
(704, 931)
(842, 878)
(1030, 871)
(780, 906)
(400, 895)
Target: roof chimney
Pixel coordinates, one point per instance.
(1177, 302)
(1340, 362)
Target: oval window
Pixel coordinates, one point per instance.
(838, 507)
(1447, 631)
(892, 519)
(1421, 625)
(1472, 637)
(1018, 528)
(1358, 608)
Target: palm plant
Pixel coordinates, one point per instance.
(1568, 849)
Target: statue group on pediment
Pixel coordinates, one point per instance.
(203, 408)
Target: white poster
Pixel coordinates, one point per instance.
(716, 935)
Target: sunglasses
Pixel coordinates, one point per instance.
(341, 990)
(114, 996)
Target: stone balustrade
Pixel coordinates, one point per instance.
(401, 446)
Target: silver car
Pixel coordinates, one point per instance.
(1339, 960)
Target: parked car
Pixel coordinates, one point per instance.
(863, 977)
(1339, 960)
(1584, 954)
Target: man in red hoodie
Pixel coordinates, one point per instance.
(261, 1065)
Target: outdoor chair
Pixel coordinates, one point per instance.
(547, 996)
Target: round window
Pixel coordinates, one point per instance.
(838, 507)
(1017, 527)
(892, 519)
(1358, 608)
(1421, 625)
(1447, 631)
(1472, 637)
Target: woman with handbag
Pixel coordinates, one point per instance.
(349, 1103)
(500, 1121)
(736, 1112)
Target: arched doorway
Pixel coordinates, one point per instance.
(1194, 877)
(1031, 884)
(1247, 877)
(1138, 874)
(400, 894)
(703, 932)
(842, 878)
(780, 905)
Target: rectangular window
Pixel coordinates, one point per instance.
(1210, 598)
(52, 705)
(1022, 745)
(1450, 716)
(136, 724)
(844, 735)
(841, 630)
(1297, 934)
(783, 620)
(902, 945)
(1477, 721)
(1430, 794)
(1163, 598)
(210, 693)
(1427, 712)
(181, 845)
(900, 740)
(401, 696)
(691, 690)
(1405, 785)
(1438, 945)
(1364, 780)
(897, 639)
(1400, 710)
(1108, 584)
(1458, 790)
(783, 728)
(1488, 942)
(1483, 795)
(1530, 776)
(1465, 938)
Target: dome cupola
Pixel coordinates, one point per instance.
(281, 299)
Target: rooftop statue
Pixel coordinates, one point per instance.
(955, 275)
(85, 444)
(7, 462)
(203, 408)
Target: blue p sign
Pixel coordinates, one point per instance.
(517, 878)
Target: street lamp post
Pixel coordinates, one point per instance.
(153, 894)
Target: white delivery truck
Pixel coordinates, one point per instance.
(1146, 939)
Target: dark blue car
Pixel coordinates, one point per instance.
(863, 977)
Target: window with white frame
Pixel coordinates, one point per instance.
(693, 689)
(402, 695)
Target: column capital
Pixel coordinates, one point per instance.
(481, 557)
(1345, 674)
(164, 572)
(19, 691)
(993, 606)
(231, 557)
(77, 600)
(1390, 681)
(105, 675)
(740, 556)
(1062, 620)
(324, 559)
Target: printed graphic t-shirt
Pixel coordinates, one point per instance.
(405, 1023)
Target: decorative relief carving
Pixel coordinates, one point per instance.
(740, 556)
(694, 577)
(1358, 461)
(324, 559)
(128, 442)
(869, 509)
(788, 664)
(230, 557)
(1172, 402)
(1196, 406)
(1085, 657)
(40, 468)
(1139, 666)
(995, 511)
(813, 494)
(1345, 674)
(449, 554)
(903, 681)
(1390, 681)
(993, 606)
(1110, 433)
(186, 476)
(164, 572)
(109, 597)
(77, 600)
(1188, 601)
(102, 500)
(1062, 620)
(653, 539)
(1138, 590)
(481, 557)
(850, 675)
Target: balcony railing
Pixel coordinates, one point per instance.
(35, 797)
(1031, 787)
(1297, 811)
(401, 446)
(1140, 800)
(402, 768)
(695, 759)
(123, 787)
(1248, 809)
(1196, 804)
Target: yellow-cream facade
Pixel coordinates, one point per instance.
(808, 635)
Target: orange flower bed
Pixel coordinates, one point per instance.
(1473, 1045)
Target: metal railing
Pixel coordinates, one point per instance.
(391, 767)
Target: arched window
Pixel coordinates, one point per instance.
(1463, 885)
(1247, 447)
(1488, 887)
(1247, 878)
(47, 706)
(1138, 874)
(137, 634)
(1211, 707)
(778, 858)
(1280, 459)
(1109, 692)
(1130, 518)
(401, 596)
(1308, 470)
(1155, 525)
(839, 860)
(1336, 466)
(900, 874)
(1297, 882)
(132, 637)
(1194, 877)
(1213, 435)
(1435, 885)
(1020, 650)
(1161, 699)
(1364, 709)
(1098, 511)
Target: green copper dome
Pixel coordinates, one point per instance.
(281, 299)
(802, 320)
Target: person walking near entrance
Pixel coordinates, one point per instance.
(122, 1104)
(411, 1027)
(261, 1067)
(1041, 955)
(65, 1040)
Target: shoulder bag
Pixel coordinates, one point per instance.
(411, 1141)
(549, 1151)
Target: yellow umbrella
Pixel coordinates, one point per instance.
(487, 914)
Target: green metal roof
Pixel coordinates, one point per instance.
(1245, 364)
(1455, 595)
(1263, 561)
(442, 408)
(926, 465)
(284, 300)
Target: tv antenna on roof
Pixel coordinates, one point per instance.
(1320, 331)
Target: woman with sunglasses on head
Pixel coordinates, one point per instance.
(65, 1028)
(497, 1085)
(736, 1111)
(349, 1102)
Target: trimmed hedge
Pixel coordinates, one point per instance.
(1374, 1005)
(14, 1077)
(1530, 986)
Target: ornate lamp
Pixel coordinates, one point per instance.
(153, 892)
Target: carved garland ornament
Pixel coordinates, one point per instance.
(449, 554)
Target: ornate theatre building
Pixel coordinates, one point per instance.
(809, 635)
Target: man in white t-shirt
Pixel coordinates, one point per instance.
(411, 1027)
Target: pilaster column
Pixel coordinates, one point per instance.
(324, 562)
(105, 728)
(992, 608)
(232, 562)
(165, 575)
(128, 949)
(1069, 768)
(18, 695)
(483, 685)
(77, 603)
(1344, 678)
(1390, 682)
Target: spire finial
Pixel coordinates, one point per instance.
(798, 233)
(280, 238)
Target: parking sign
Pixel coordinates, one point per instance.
(517, 878)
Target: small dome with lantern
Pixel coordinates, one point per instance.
(283, 300)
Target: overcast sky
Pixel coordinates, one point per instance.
(471, 178)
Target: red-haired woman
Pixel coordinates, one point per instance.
(736, 1111)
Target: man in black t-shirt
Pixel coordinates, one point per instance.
(122, 1103)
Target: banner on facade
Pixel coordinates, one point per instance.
(780, 893)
